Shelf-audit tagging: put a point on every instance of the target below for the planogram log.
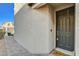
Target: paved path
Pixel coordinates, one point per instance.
(3, 51)
(10, 47)
(14, 48)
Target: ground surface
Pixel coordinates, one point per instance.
(3, 51)
(9, 47)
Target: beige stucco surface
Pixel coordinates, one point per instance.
(17, 7)
(32, 29)
(77, 29)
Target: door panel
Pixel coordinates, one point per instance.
(65, 29)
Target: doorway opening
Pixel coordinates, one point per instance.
(65, 29)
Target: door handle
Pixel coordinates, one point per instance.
(57, 38)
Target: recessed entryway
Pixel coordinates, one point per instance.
(65, 29)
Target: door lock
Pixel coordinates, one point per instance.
(57, 38)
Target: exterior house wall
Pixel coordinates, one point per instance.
(32, 29)
(52, 27)
(77, 29)
(18, 6)
(8, 27)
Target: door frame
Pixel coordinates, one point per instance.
(56, 25)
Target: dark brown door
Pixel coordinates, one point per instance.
(65, 29)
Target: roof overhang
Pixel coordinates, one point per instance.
(38, 5)
(20, 5)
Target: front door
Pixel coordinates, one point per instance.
(65, 29)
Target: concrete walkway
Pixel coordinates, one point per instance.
(3, 51)
(14, 48)
(10, 47)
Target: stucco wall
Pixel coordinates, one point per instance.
(52, 25)
(18, 6)
(77, 30)
(32, 29)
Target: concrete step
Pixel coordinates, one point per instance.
(58, 53)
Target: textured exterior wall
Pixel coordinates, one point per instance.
(77, 29)
(32, 29)
(17, 7)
